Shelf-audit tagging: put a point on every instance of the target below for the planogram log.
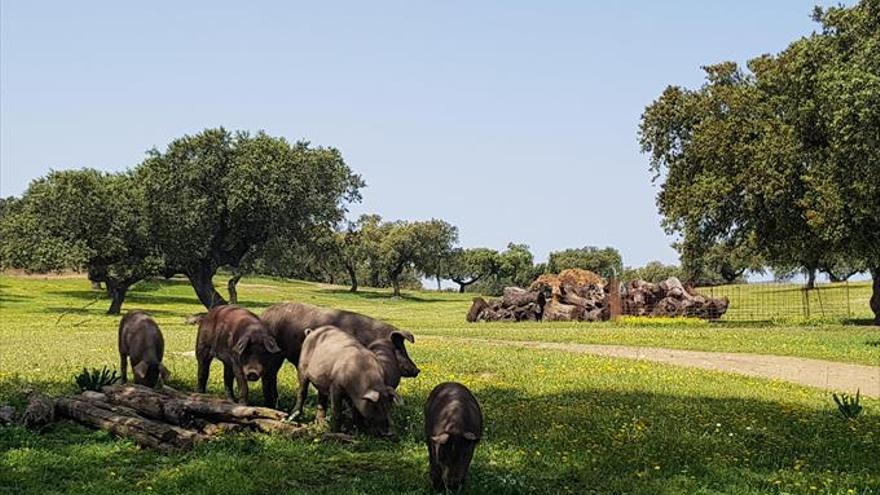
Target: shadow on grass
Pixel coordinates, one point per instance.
(590, 441)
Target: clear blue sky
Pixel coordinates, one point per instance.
(516, 121)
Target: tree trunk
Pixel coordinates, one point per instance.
(439, 288)
(117, 291)
(811, 278)
(352, 274)
(201, 278)
(462, 285)
(396, 284)
(875, 295)
(232, 286)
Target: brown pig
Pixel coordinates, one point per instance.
(141, 342)
(241, 342)
(287, 322)
(341, 368)
(453, 427)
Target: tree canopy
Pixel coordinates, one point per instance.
(783, 155)
(215, 196)
(83, 219)
(605, 261)
(468, 266)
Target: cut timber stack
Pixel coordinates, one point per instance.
(168, 419)
(573, 295)
(670, 298)
(581, 295)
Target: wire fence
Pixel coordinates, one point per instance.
(756, 301)
(770, 300)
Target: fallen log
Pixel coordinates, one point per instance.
(477, 308)
(125, 422)
(178, 407)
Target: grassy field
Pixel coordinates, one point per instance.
(556, 422)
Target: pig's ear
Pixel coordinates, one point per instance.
(473, 437)
(440, 439)
(164, 373)
(271, 345)
(395, 397)
(241, 345)
(371, 396)
(141, 369)
(397, 337)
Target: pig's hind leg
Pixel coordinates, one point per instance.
(301, 395)
(204, 362)
(321, 411)
(123, 367)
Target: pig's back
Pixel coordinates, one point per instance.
(139, 336)
(452, 406)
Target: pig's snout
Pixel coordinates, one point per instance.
(253, 376)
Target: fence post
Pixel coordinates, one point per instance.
(846, 289)
(806, 300)
(614, 305)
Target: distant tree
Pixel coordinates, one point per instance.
(515, 266)
(468, 266)
(725, 262)
(440, 237)
(215, 196)
(653, 271)
(82, 220)
(414, 245)
(605, 262)
(785, 154)
(371, 230)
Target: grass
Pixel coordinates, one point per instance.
(556, 422)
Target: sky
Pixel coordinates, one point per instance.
(515, 121)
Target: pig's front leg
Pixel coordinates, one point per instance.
(242, 385)
(335, 408)
(228, 380)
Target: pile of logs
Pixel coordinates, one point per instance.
(167, 419)
(670, 298)
(581, 295)
(573, 295)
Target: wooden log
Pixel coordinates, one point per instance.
(179, 408)
(516, 297)
(477, 307)
(557, 311)
(149, 403)
(40, 410)
(125, 422)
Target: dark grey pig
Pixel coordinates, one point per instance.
(341, 368)
(240, 340)
(141, 342)
(287, 322)
(453, 428)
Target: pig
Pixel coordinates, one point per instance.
(141, 342)
(453, 428)
(287, 322)
(242, 343)
(341, 368)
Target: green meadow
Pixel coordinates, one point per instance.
(556, 422)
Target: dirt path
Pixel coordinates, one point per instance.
(828, 375)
